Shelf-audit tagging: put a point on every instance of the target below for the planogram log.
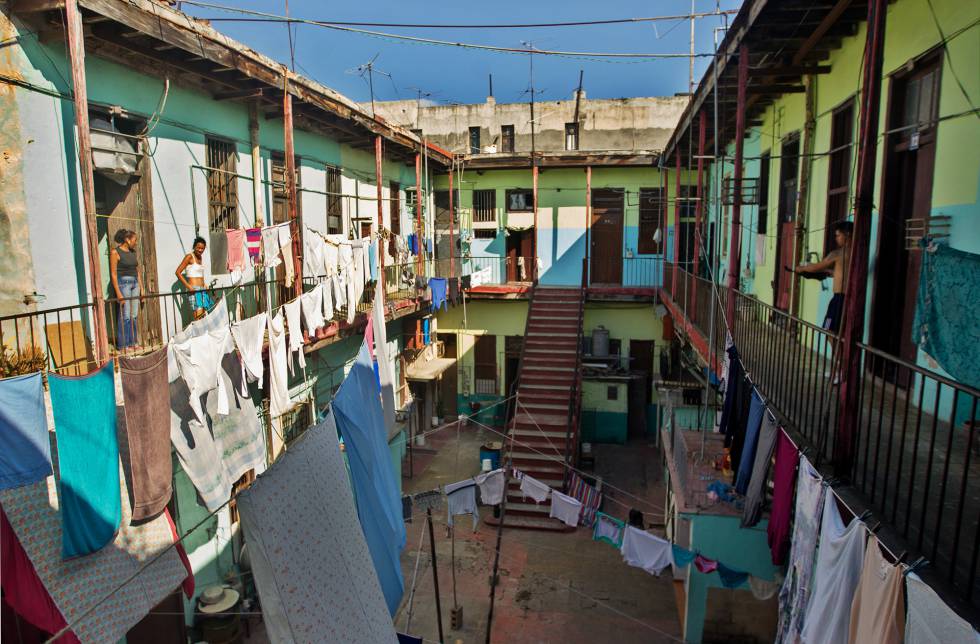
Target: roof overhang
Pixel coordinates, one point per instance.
(565, 159)
(422, 370)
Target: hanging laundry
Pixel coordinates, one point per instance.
(409, 639)
(84, 412)
(682, 556)
(756, 492)
(413, 243)
(327, 301)
(608, 529)
(25, 447)
(386, 373)
(491, 486)
(271, 254)
(366, 255)
(294, 315)
(461, 499)
(481, 277)
(731, 578)
(764, 590)
(313, 255)
(838, 568)
(23, 589)
(438, 286)
(146, 410)
(188, 584)
(331, 253)
(218, 452)
(453, 291)
(237, 253)
(339, 291)
(249, 337)
(740, 424)
(531, 487)
(588, 495)
(373, 261)
(643, 550)
(705, 565)
(279, 402)
(733, 384)
(783, 478)
(795, 593)
(358, 413)
(407, 508)
(312, 304)
(465, 282)
(74, 585)
(745, 466)
(308, 591)
(355, 282)
(198, 360)
(286, 247)
(426, 335)
(878, 609)
(253, 244)
(930, 620)
(565, 508)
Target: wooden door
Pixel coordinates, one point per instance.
(449, 378)
(520, 251)
(909, 166)
(606, 246)
(485, 364)
(641, 361)
(789, 167)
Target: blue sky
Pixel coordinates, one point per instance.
(449, 74)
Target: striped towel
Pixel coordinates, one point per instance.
(588, 495)
(253, 242)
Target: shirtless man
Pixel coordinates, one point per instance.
(836, 264)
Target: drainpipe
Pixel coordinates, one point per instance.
(76, 55)
(677, 219)
(856, 287)
(381, 220)
(588, 223)
(295, 224)
(735, 253)
(534, 238)
(699, 207)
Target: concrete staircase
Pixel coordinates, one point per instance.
(545, 394)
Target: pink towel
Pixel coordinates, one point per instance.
(236, 249)
(253, 242)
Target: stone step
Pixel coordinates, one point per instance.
(522, 522)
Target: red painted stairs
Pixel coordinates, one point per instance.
(549, 377)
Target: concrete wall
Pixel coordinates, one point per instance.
(604, 124)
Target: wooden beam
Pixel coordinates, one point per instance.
(819, 32)
(792, 70)
(248, 92)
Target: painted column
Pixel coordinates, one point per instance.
(534, 239)
(253, 140)
(699, 208)
(381, 219)
(418, 212)
(452, 216)
(76, 55)
(587, 267)
(677, 220)
(735, 253)
(855, 291)
(296, 226)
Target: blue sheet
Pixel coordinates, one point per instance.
(25, 449)
(357, 408)
(373, 250)
(756, 411)
(88, 460)
(438, 286)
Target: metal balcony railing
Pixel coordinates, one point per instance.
(916, 462)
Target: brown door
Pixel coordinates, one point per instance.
(485, 364)
(910, 157)
(606, 248)
(641, 361)
(520, 255)
(789, 166)
(449, 375)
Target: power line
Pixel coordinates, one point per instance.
(448, 43)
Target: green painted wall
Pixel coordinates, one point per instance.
(604, 420)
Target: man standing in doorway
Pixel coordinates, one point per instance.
(835, 263)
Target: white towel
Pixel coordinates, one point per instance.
(199, 361)
(279, 402)
(293, 317)
(270, 246)
(312, 303)
(313, 258)
(461, 499)
(531, 487)
(644, 550)
(249, 336)
(286, 246)
(327, 301)
(491, 486)
(565, 508)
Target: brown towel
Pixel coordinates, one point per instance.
(146, 396)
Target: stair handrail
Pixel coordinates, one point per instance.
(516, 385)
(574, 410)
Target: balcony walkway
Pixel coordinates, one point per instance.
(917, 458)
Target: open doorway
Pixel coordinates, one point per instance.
(909, 165)
(789, 172)
(520, 255)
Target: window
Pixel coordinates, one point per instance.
(222, 199)
(394, 201)
(485, 233)
(571, 136)
(474, 140)
(280, 191)
(763, 220)
(485, 364)
(651, 206)
(839, 176)
(484, 206)
(335, 213)
(520, 200)
(789, 170)
(612, 392)
(506, 138)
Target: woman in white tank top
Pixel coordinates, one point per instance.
(190, 272)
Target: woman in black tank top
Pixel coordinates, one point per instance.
(127, 285)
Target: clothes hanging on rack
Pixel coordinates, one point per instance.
(438, 286)
(565, 508)
(198, 360)
(783, 479)
(249, 337)
(930, 620)
(253, 244)
(756, 492)
(271, 247)
(25, 447)
(236, 250)
(286, 247)
(491, 485)
(878, 609)
(746, 464)
(531, 487)
(461, 499)
(279, 402)
(608, 529)
(590, 497)
(294, 315)
(641, 549)
(312, 305)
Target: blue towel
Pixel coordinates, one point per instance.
(413, 244)
(439, 286)
(25, 449)
(425, 331)
(373, 249)
(731, 578)
(357, 408)
(756, 411)
(682, 556)
(88, 460)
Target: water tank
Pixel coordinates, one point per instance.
(600, 341)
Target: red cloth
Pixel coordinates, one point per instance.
(23, 590)
(188, 583)
(705, 565)
(783, 483)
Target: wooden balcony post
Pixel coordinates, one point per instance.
(418, 212)
(677, 220)
(76, 56)
(253, 140)
(699, 208)
(588, 224)
(296, 226)
(534, 238)
(735, 249)
(856, 288)
(452, 216)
